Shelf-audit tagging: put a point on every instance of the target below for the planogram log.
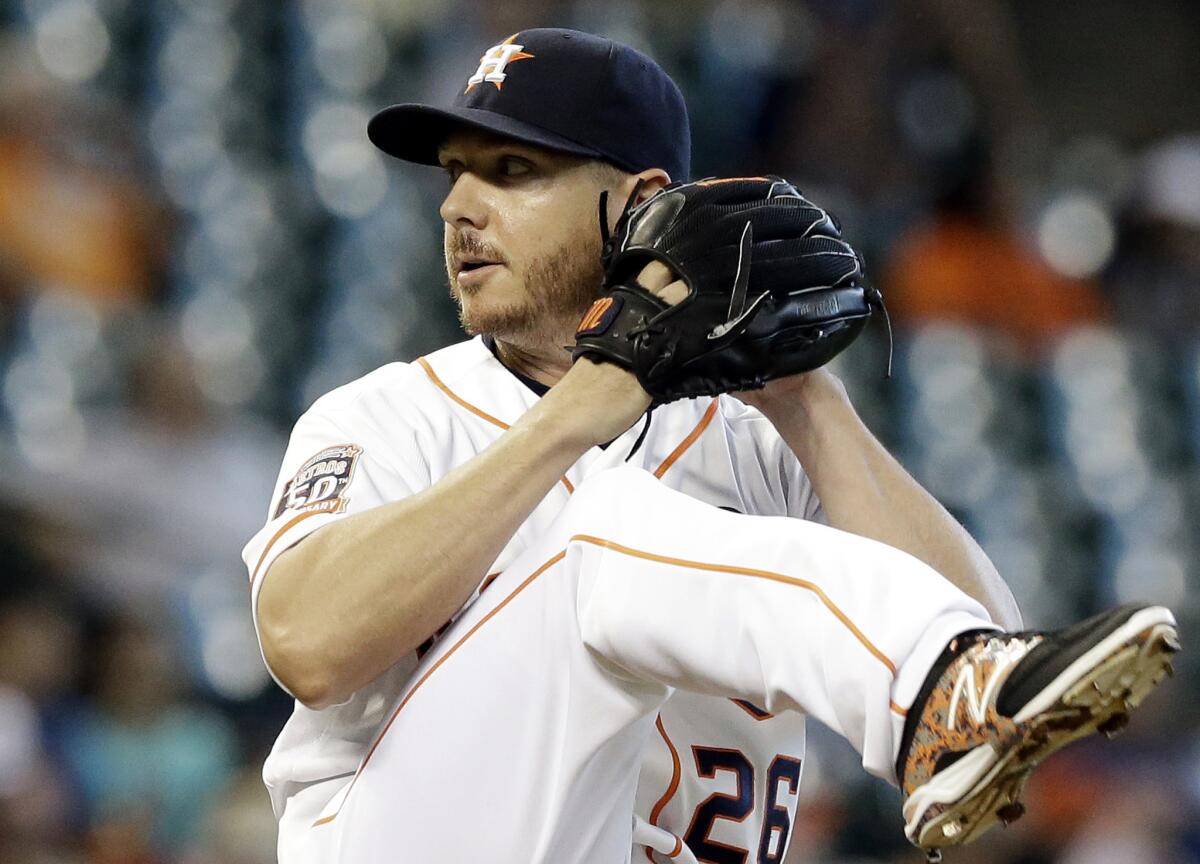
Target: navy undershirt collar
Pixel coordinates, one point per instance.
(537, 387)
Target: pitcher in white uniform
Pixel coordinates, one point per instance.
(515, 633)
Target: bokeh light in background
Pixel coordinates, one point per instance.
(197, 240)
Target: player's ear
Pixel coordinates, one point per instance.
(652, 179)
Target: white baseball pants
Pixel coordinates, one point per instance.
(520, 735)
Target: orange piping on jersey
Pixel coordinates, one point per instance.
(672, 788)
(688, 441)
(901, 711)
(287, 527)
(437, 665)
(748, 571)
(478, 412)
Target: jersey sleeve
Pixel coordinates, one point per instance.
(759, 448)
(332, 468)
(799, 497)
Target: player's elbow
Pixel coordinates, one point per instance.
(293, 646)
(314, 693)
(296, 663)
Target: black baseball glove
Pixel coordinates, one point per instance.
(774, 290)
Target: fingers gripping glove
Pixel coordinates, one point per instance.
(773, 289)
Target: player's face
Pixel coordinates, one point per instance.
(521, 240)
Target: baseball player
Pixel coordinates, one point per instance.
(523, 623)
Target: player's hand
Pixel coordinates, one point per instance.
(658, 279)
(602, 400)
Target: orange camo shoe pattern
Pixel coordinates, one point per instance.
(960, 713)
(967, 762)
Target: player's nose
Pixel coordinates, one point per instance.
(464, 204)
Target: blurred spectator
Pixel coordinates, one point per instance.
(75, 212)
(1155, 284)
(150, 763)
(966, 263)
(39, 664)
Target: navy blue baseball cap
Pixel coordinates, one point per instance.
(560, 89)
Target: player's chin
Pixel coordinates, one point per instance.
(494, 317)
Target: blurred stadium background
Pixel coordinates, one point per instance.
(196, 239)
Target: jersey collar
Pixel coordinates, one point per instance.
(537, 387)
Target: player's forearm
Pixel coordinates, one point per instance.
(343, 606)
(865, 491)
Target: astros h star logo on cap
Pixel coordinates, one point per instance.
(492, 63)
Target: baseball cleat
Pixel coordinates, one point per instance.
(1006, 701)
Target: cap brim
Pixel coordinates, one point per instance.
(414, 132)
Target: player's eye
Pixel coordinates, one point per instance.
(453, 170)
(514, 166)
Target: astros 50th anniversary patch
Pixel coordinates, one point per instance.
(321, 482)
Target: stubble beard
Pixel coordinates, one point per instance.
(558, 289)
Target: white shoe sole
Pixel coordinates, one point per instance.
(1094, 693)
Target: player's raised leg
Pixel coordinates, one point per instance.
(543, 693)
(541, 696)
(787, 614)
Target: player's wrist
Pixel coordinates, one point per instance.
(595, 402)
(807, 395)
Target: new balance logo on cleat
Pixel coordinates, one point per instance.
(978, 682)
(1006, 701)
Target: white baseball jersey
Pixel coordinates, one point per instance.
(718, 777)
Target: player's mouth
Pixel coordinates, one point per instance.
(472, 271)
